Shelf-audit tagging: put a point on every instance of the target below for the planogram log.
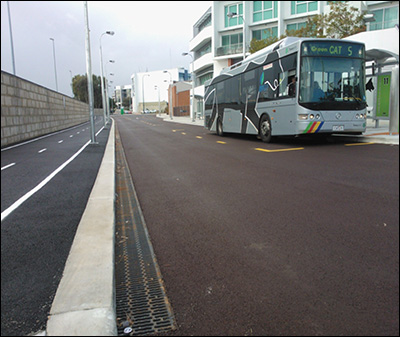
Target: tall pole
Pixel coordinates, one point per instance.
(103, 95)
(144, 102)
(193, 86)
(89, 76)
(170, 94)
(11, 39)
(55, 66)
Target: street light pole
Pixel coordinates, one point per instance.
(107, 94)
(55, 66)
(11, 38)
(193, 85)
(103, 94)
(232, 15)
(144, 99)
(89, 76)
(170, 94)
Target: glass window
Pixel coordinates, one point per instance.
(332, 83)
(296, 26)
(300, 7)
(236, 20)
(385, 18)
(264, 34)
(264, 10)
(391, 17)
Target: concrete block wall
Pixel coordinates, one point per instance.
(29, 110)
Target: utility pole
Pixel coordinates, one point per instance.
(89, 76)
(11, 38)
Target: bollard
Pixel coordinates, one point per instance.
(394, 102)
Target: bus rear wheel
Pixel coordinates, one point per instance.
(265, 129)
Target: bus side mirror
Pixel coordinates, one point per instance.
(370, 85)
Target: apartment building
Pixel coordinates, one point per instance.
(222, 35)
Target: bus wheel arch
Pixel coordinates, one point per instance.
(265, 128)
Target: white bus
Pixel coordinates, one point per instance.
(294, 87)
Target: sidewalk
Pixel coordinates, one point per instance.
(379, 135)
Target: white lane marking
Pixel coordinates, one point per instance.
(60, 142)
(24, 198)
(36, 139)
(8, 166)
(43, 150)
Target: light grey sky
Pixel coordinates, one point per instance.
(149, 35)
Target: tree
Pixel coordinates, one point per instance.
(256, 45)
(342, 21)
(80, 90)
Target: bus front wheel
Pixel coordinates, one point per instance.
(265, 129)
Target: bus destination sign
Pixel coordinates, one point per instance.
(333, 49)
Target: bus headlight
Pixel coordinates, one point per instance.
(318, 117)
(312, 117)
(303, 117)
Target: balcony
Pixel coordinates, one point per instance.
(233, 49)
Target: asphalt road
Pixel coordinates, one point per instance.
(299, 237)
(37, 236)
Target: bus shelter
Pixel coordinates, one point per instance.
(383, 87)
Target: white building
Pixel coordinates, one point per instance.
(220, 40)
(149, 87)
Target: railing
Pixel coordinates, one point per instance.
(230, 50)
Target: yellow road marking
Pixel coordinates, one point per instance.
(360, 144)
(198, 137)
(282, 150)
(219, 142)
(184, 133)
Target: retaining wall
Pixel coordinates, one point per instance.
(29, 110)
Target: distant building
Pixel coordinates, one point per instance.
(180, 95)
(121, 93)
(151, 87)
(220, 39)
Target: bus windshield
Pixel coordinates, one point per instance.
(332, 83)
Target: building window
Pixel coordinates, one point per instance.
(264, 34)
(231, 44)
(202, 51)
(385, 18)
(264, 10)
(300, 7)
(296, 26)
(237, 20)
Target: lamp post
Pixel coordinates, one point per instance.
(193, 85)
(89, 76)
(159, 100)
(55, 66)
(170, 94)
(144, 101)
(11, 38)
(107, 94)
(103, 94)
(231, 16)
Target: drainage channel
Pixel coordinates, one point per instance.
(142, 305)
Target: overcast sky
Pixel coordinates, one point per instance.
(149, 35)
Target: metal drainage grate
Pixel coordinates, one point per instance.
(142, 305)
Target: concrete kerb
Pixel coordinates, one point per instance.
(84, 304)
